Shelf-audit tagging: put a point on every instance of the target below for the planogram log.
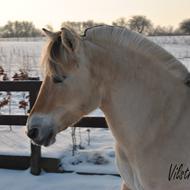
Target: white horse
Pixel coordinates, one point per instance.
(142, 90)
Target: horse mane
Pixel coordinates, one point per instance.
(125, 38)
(113, 35)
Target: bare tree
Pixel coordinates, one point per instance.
(79, 27)
(185, 26)
(20, 29)
(140, 24)
(1, 30)
(163, 31)
(120, 22)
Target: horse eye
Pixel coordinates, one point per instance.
(58, 79)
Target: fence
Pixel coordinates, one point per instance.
(35, 161)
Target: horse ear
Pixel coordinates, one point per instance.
(50, 34)
(69, 39)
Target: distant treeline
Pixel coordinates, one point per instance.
(138, 23)
(19, 29)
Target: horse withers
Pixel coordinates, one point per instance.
(142, 90)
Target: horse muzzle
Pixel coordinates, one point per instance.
(41, 130)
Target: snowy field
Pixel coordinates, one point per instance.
(15, 55)
(22, 180)
(95, 151)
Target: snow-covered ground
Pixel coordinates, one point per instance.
(97, 157)
(22, 180)
(15, 55)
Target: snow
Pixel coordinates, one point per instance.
(96, 157)
(22, 180)
(26, 53)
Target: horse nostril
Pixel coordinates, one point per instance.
(33, 133)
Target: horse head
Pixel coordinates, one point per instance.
(68, 91)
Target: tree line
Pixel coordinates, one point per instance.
(145, 26)
(19, 29)
(137, 23)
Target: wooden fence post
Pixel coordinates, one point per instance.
(35, 162)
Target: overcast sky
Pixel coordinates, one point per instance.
(54, 12)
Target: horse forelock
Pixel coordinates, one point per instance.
(51, 57)
(118, 36)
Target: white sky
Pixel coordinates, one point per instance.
(54, 12)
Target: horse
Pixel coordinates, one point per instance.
(141, 88)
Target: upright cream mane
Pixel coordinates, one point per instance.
(123, 38)
(127, 39)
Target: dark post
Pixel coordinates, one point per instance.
(35, 161)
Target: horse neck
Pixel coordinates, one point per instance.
(136, 93)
